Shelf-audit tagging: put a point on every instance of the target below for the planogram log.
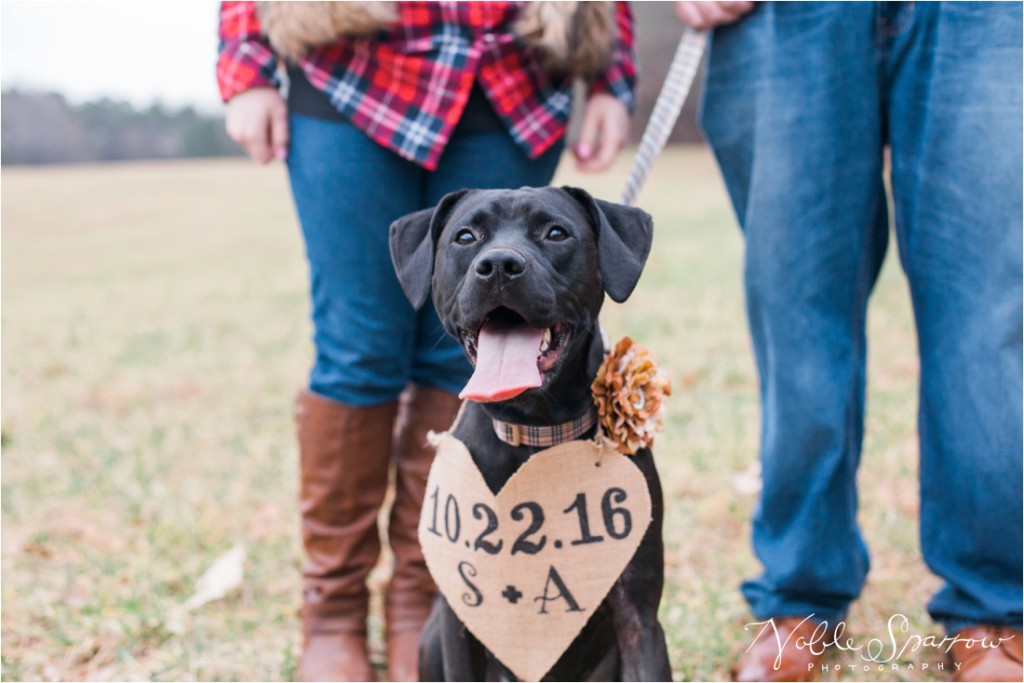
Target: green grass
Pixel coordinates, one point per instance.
(155, 331)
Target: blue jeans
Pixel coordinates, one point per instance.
(800, 101)
(347, 189)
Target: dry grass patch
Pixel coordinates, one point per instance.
(155, 330)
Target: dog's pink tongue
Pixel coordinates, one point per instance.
(506, 362)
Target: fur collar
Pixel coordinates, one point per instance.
(567, 38)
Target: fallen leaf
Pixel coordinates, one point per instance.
(223, 576)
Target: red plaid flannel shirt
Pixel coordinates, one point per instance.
(408, 88)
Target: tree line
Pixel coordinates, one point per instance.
(44, 128)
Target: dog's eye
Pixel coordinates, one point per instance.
(557, 233)
(465, 236)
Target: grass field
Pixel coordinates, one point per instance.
(155, 331)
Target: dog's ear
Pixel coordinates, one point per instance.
(412, 239)
(624, 235)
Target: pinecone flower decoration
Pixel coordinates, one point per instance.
(629, 390)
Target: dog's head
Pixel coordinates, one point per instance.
(519, 276)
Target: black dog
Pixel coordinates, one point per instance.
(534, 264)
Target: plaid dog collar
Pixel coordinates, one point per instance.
(545, 436)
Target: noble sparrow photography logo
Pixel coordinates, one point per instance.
(888, 653)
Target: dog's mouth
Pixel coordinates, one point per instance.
(511, 355)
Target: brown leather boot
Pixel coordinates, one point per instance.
(411, 591)
(767, 660)
(344, 475)
(988, 653)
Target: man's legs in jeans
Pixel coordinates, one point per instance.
(955, 112)
(947, 81)
(791, 111)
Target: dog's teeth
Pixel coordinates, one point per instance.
(544, 346)
(546, 338)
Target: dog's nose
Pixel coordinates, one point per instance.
(502, 263)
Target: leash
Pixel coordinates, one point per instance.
(666, 110)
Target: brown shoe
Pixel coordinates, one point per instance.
(781, 654)
(411, 591)
(987, 653)
(344, 475)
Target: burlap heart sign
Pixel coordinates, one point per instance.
(525, 569)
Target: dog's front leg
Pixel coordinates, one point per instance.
(635, 597)
(643, 653)
(457, 645)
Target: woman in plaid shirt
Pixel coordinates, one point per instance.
(441, 98)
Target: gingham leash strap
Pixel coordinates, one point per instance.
(666, 110)
(545, 436)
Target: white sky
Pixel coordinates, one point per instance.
(138, 51)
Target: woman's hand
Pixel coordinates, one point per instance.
(603, 133)
(705, 15)
(257, 120)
